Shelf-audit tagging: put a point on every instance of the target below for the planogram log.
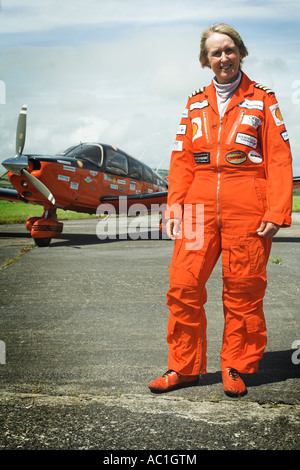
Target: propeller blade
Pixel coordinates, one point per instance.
(39, 186)
(17, 164)
(3, 170)
(21, 131)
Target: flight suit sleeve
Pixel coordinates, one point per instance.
(278, 165)
(181, 173)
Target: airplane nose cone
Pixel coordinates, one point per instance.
(16, 164)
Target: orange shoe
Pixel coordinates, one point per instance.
(171, 380)
(232, 383)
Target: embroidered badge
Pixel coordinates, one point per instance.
(276, 114)
(236, 157)
(202, 157)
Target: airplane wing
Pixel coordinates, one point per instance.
(11, 195)
(296, 183)
(137, 197)
(151, 202)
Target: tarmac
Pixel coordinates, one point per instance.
(83, 332)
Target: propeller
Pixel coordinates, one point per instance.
(18, 164)
(21, 131)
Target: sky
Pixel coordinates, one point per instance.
(119, 72)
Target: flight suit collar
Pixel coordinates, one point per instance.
(245, 88)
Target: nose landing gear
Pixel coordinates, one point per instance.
(43, 229)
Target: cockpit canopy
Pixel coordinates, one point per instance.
(114, 161)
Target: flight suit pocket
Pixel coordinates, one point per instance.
(239, 260)
(245, 258)
(180, 271)
(258, 259)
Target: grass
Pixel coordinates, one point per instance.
(23, 251)
(18, 213)
(276, 260)
(296, 202)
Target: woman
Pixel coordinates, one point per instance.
(231, 157)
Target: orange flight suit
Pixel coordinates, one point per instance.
(240, 169)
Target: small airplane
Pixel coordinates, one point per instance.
(79, 179)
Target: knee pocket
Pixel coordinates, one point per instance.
(237, 287)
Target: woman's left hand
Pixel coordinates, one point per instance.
(267, 229)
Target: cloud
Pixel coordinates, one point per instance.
(120, 72)
(43, 15)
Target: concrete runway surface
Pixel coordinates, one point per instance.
(83, 327)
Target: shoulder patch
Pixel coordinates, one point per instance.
(264, 88)
(197, 92)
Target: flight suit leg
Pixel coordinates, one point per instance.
(186, 297)
(244, 260)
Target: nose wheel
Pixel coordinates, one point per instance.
(42, 242)
(43, 229)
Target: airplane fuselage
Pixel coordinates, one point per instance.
(80, 184)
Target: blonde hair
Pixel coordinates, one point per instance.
(221, 28)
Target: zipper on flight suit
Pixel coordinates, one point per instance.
(219, 174)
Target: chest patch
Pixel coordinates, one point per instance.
(236, 157)
(246, 139)
(252, 104)
(196, 128)
(252, 121)
(202, 157)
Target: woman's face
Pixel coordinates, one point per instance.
(223, 57)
